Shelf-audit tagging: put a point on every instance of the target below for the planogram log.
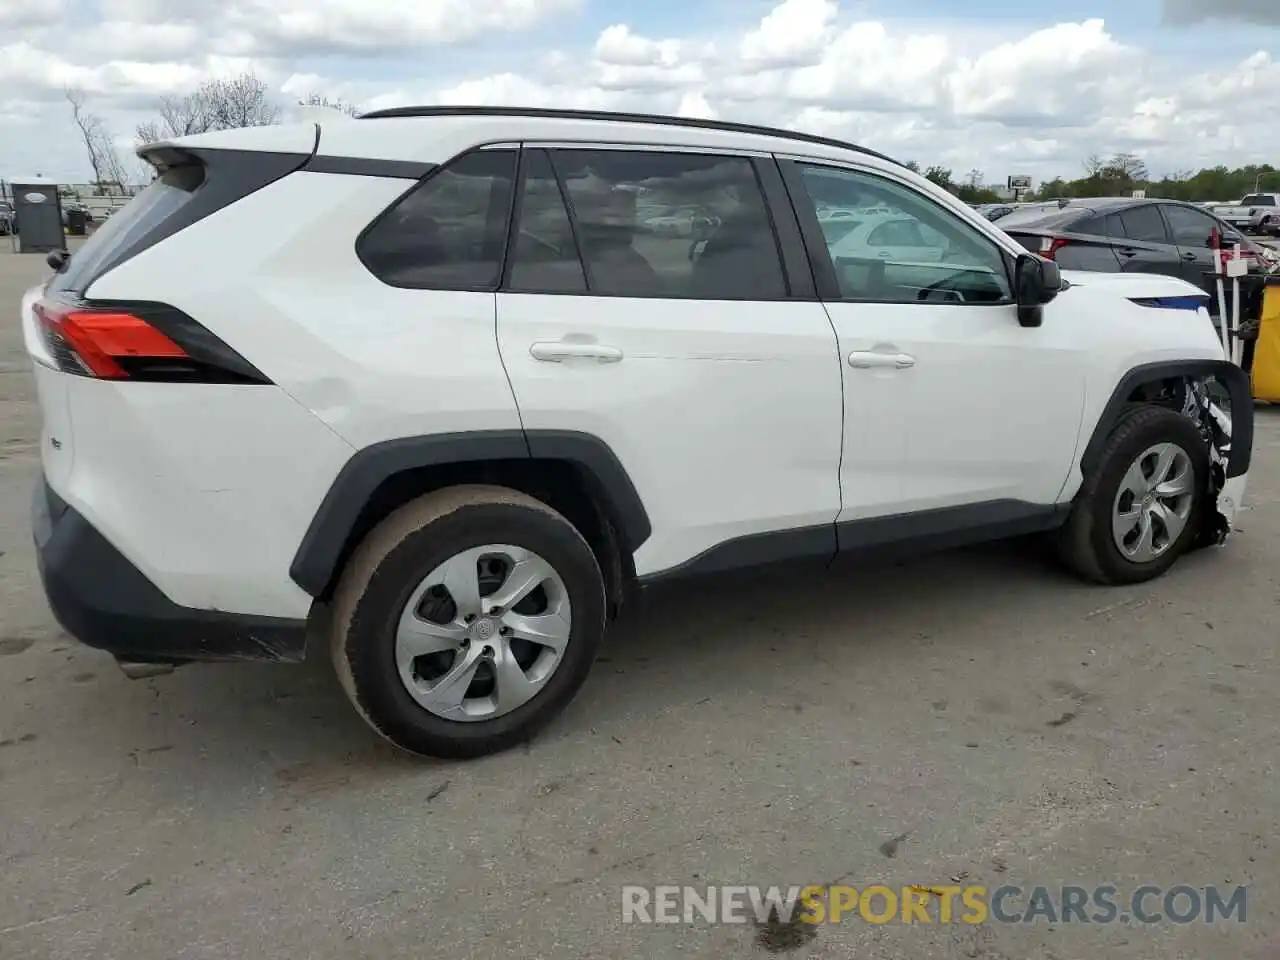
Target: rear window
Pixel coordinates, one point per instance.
(159, 201)
(1047, 218)
(1258, 200)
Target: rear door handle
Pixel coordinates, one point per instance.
(1127, 252)
(869, 359)
(554, 351)
(1188, 256)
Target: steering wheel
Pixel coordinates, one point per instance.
(938, 285)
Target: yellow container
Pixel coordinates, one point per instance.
(1266, 352)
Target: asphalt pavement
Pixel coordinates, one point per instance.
(976, 718)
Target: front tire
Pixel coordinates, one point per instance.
(1141, 506)
(466, 621)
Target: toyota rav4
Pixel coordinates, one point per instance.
(435, 388)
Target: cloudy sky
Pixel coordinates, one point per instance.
(1004, 86)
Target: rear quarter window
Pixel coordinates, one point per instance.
(449, 232)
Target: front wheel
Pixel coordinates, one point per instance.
(1139, 509)
(466, 621)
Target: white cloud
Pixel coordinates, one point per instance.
(999, 97)
(793, 32)
(618, 46)
(16, 14)
(356, 24)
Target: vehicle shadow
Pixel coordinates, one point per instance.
(719, 639)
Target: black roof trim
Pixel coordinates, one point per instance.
(549, 113)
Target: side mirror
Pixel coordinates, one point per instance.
(57, 259)
(1036, 282)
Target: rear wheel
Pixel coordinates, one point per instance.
(1141, 506)
(466, 621)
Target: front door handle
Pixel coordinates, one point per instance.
(554, 351)
(869, 359)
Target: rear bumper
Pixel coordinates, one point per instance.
(104, 601)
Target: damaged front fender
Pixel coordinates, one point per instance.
(1202, 402)
(1218, 397)
(1215, 426)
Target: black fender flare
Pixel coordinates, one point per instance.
(1232, 377)
(322, 545)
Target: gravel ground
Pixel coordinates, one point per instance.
(975, 715)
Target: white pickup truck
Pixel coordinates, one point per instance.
(1256, 213)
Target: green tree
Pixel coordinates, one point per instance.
(939, 175)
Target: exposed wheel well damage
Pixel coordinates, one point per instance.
(1217, 397)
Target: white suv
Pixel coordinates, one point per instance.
(436, 387)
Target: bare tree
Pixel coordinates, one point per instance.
(1093, 165)
(114, 172)
(318, 100)
(98, 144)
(88, 124)
(1126, 166)
(219, 104)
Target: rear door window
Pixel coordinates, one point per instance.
(544, 255)
(1144, 224)
(680, 225)
(449, 232)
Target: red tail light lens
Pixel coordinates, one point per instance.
(102, 344)
(1049, 246)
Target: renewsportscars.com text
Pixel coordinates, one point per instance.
(935, 903)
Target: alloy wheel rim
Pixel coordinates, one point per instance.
(1153, 505)
(483, 633)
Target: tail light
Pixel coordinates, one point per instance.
(117, 343)
(1049, 246)
(101, 344)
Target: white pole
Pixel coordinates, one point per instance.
(1235, 308)
(1221, 316)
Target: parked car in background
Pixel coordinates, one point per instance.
(1256, 213)
(6, 218)
(1124, 235)
(994, 211)
(890, 237)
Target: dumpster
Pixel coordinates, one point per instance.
(1265, 368)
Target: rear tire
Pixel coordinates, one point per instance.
(1122, 529)
(408, 696)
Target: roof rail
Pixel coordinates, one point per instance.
(553, 113)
